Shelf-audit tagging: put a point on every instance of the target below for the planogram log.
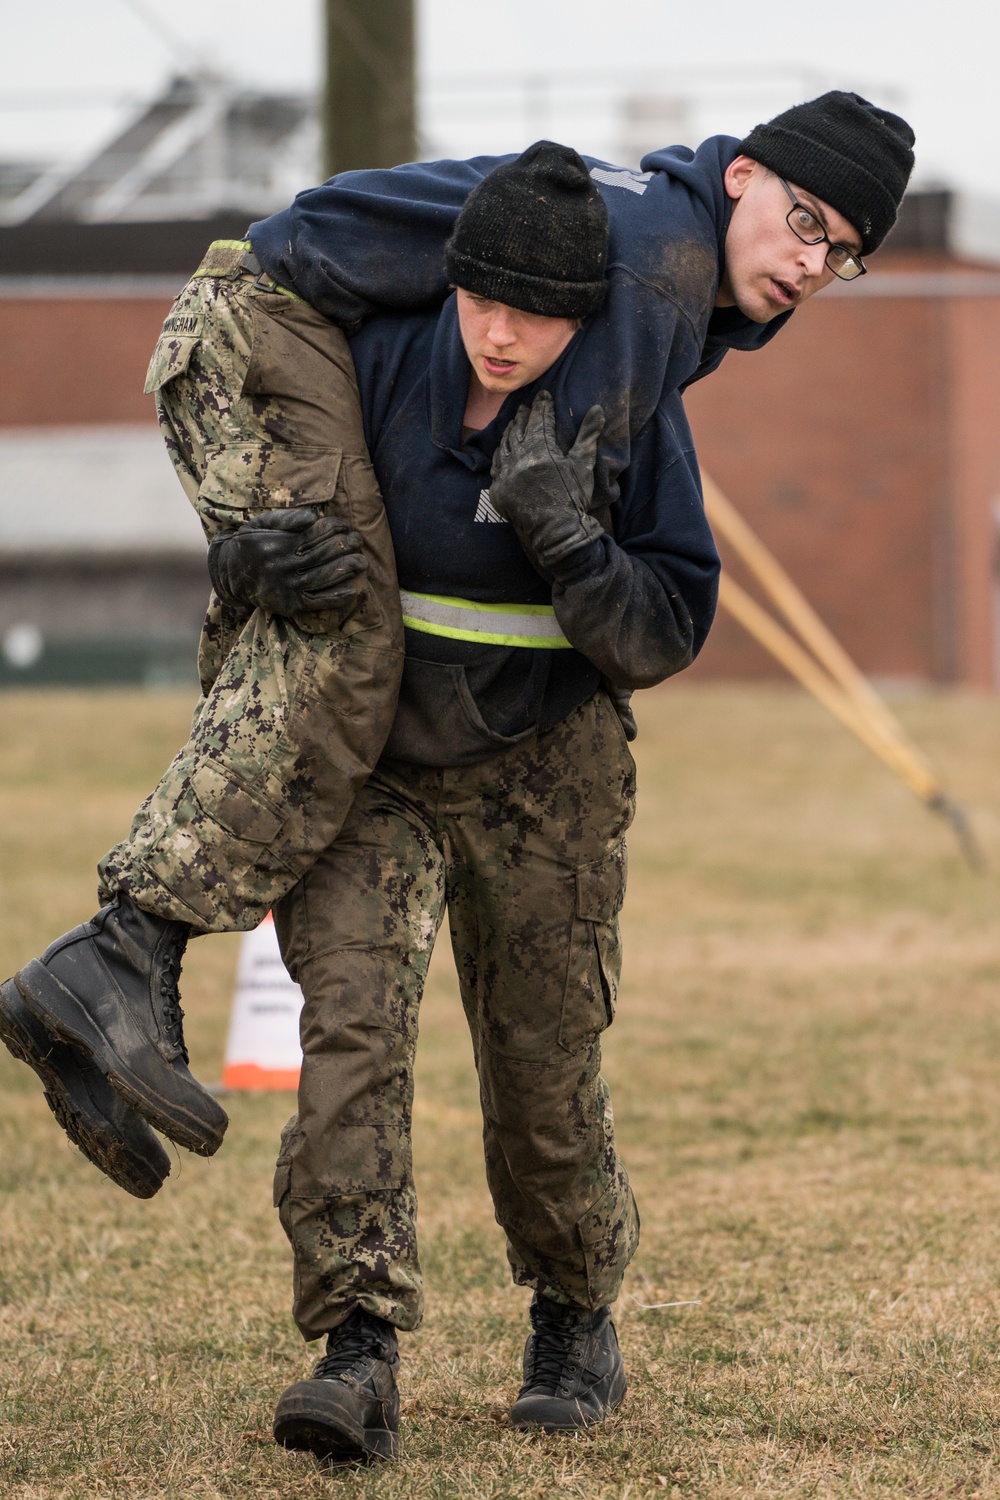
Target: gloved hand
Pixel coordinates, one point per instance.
(544, 493)
(291, 563)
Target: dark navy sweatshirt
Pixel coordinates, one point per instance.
(637, 603)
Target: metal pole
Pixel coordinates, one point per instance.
(369, 106)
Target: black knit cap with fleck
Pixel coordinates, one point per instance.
(851, 154)
(534, 235)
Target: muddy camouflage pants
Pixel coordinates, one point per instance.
(258, 403)
(527, 853)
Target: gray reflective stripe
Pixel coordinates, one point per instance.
(490, 624)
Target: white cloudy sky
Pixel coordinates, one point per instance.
(497, 73)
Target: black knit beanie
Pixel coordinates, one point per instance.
(855, 156)
(534, 235)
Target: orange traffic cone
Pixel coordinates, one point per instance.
(263, 1049)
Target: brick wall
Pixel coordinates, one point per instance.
(77, 360)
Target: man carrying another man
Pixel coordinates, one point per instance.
(505, 785)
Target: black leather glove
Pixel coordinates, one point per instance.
(291, 563)
(544, 493)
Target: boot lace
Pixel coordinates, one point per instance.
(557, 1340)
(170, 998)
(357, 1339)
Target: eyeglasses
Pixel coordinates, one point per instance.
(845, 263)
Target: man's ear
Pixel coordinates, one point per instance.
(738, 175)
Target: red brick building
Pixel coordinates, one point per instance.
(74, 351)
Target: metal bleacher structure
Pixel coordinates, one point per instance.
(102, 574)
(205, 150)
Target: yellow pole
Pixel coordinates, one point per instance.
(726, 519)
(776, 639)
(828, 672)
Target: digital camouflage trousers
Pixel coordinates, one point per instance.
(527, 853)
(257, 400)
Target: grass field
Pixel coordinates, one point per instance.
(806, 1071)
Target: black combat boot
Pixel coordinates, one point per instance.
(349, 1410)
(108, 1133)
(573, 1371)
(109, 988)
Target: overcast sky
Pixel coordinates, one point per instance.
(498, 73)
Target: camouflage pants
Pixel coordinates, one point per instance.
(527, 852)
(258, 403)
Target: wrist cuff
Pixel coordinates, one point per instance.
(587, 558)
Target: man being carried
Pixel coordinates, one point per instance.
(302, 648)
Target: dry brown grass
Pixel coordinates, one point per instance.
(805, 1069)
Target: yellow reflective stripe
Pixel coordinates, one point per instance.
(526, 625)
(543, 611)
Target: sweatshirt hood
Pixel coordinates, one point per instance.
(702, 173)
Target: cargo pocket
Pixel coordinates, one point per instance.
(180, 338)
(217, 823)
(283, 1166)
(283, 1174)
(595, 957)
(242, 479)
(227, 800)
(231, 823)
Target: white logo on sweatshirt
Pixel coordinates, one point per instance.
(486, 510)
(623, 177)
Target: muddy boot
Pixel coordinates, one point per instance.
(573, 1372)
(109, 988)
(349, 1410)
(108, 1133)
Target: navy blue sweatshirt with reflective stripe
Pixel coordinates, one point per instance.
(637, 604)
